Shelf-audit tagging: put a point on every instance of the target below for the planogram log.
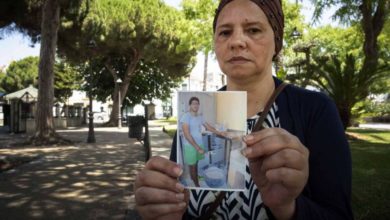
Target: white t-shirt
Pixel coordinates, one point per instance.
(195, 124)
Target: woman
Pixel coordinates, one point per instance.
(283, 180)
(193, 148)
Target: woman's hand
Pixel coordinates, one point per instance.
(279, 167)
(158, 193)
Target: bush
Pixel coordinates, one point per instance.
(371, 111)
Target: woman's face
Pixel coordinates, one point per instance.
(194, 106)
(244, 40)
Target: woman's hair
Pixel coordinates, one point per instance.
(193, 99)
(274, 12)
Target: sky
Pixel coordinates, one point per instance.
(15, 46)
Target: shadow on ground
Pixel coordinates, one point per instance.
(83, 181)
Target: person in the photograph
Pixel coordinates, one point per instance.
(298, 167)
(193, 147)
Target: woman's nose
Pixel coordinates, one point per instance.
(237, 40)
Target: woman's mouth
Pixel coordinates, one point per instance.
(238, 60)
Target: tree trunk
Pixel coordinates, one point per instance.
(122, 88)
(345, 115)
(206, 59)
(45, 133)
(372, 23)
(115, 104)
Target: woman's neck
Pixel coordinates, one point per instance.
(258, 92)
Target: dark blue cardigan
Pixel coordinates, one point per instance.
(313, 118)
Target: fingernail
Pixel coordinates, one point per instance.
(246, 151)
(180, 196)
(179, 187)
(248, 138)
(182, 204)
(178, 171)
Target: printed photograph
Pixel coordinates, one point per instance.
(209, 141)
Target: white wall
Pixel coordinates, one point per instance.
(231, 109)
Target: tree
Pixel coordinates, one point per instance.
(201, 17)
(40, 19)
(20, 74)
(141, 30)
(294, 21)
(366, 65)
(342, 80)
(149, 82)
(371, 14)
(66, 79)
(337, 72)
(2, 75)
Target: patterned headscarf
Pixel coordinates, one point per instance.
(272, 9)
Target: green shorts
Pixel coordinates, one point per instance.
(191, 155)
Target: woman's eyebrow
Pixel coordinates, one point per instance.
(253, 23)
(226, 25)
(246, 23)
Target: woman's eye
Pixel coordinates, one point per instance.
(253, 30)
(224, 33)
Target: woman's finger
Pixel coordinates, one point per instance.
(148, 195)
(156, 179)
(271, 144)
(289, 158)
(259, 135)
(165, 166)
(290, 178)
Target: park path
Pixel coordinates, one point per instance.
(79, 181)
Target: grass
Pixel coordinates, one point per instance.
(169, 121)
(371, 173)
(169, 125)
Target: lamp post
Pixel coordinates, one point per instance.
(295, 35)
(91, 131)
(148, 150)
(119, 81)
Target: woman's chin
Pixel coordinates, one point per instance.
(242, 75)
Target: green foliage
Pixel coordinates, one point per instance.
(281, 74)
(200, 15)
(349, 11)
(151, 82)
(351, 78)
(145, 43)
(146, 27)
(337, 40)
(148, 82)
(2, 75)
(20, 74)
(293, 19)
(369, 109)
(25, 16)
(342, 79)
(377, 109)
(66, 79)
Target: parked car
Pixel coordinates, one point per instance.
(100, 117)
